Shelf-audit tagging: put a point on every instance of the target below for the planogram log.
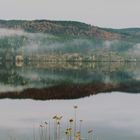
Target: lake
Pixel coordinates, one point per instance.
(106, 93)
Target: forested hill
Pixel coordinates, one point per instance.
(61, 28)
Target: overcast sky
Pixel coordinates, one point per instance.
(104, 13)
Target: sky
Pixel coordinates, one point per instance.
(103, 13)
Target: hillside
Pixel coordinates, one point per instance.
(67, 40)
(61, 28)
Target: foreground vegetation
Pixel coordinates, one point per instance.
(58, 131)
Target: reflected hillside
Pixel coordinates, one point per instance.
(67, 80)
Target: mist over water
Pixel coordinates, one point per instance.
(41, 43)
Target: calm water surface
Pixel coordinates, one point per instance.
(112, 115)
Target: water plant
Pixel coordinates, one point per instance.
(58, 131)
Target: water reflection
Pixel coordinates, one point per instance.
(70, 80)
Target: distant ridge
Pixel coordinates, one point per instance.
(62, 28)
